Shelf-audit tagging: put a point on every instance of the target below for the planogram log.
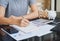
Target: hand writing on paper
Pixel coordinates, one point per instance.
(20, 21)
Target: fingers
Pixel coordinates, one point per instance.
(43, 14)
(40, 14)
(25, 20)
(24, 23)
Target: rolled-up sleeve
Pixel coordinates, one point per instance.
(32, 2)
(3, 3)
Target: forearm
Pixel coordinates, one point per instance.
(6, 21)
(34, 12)
(31, 15)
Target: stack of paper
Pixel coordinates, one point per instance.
(31, 27)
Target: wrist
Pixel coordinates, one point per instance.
(12, 21)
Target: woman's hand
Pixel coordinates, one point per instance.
(14, 21)
(23, 22)
(43, 14)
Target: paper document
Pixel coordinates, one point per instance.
(41, 22)
(31, 27)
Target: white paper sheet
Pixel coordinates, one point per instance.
(44, 30)
(41, 22)
(31, 27)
